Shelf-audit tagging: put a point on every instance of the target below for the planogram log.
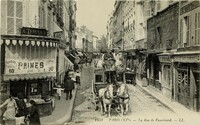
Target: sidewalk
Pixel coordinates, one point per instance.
(174, 106)
(62, 112)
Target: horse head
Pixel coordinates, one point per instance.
(122, 90)
(109, 90)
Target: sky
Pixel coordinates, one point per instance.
(94, 14)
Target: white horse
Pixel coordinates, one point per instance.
(106, 96)
(123, 96)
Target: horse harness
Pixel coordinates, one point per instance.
(106, 96)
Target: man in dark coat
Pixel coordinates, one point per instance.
(34, 114)
(69, 84)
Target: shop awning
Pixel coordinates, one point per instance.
(68, 64)
(56, 28)
(29, 76)
(80, 53)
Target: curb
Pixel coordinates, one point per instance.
(67, 117)
(173, 106)
(165, 104)
(156, 97)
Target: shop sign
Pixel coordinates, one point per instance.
(164, 59)
(17, 66)
(33, 31)
(58, 35)
(187, 58)
(193, 5)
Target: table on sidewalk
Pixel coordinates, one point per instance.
(45, 108)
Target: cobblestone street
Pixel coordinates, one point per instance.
(142, 105)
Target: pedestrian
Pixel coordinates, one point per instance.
(69, 84)
(21, 105)
(76, 66)
(77, 75)
(34, 116)
(59, 91)
(11, 108)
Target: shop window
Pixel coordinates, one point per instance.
(35, 89)
(156, 66)
(167, 75)
(197, 90)
(183, 88)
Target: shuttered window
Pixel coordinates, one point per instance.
(14, 16)
(197, 28)
(181, 32)
(147, 9)
(186, 31)
(42, 17)
(10, 17)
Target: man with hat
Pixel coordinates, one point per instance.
(69, 82)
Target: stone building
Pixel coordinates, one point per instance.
(161, 42)
(173, 52)
(84, 38)
(186, 62)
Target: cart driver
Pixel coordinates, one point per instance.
(108, 59)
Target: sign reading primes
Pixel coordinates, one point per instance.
(14, 66)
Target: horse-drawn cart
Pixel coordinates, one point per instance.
(101, 80)
(130, 77)
(105, 89)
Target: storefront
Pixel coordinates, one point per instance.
(187, 76)
(166, 74)
(29, 68)
(154, 70)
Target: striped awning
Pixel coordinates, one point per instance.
(28, 76)
(29, 40)
(68, 64)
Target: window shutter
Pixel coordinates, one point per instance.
(10, 8)
(40, 16)
(10, 25)
(19, 14)
(19, 9)
(18, 25)
(198, 42)
(10, 17)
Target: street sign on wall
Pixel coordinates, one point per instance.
(33, 31)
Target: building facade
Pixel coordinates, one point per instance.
(186, 58)
(33, 41)
(173, 52)
(161, 42)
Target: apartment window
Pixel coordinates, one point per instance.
(181, 31)
(159, 36)
(147, 9)
(158, 5)
(42, 18)
(49, 22)
(185, 31)
(197, 28)
(14, 17)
